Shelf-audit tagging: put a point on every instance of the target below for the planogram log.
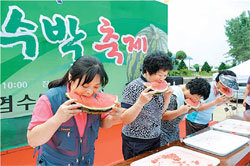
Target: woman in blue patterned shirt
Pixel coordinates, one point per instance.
(143, 114)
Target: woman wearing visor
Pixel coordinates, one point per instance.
(199, 119)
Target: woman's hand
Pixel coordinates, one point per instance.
(67, 110)
(113, 116)
(116, 111)
(244, 103)
(146, 96)
(167, 94)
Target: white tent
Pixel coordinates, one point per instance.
(242, 71)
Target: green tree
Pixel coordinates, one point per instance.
(222, 66)
(238, 34)
(206, 67)
(170, 53)
(197, 67)
(234, 63)
(176, 61)
(181, 55)
(182, 65)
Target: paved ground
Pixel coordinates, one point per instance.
(220, 113)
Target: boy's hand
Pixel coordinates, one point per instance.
(184, 109)
(220, 100)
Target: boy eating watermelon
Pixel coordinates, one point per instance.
(191, 94)
(224, 82)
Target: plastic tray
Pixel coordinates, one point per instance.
(236, 126)
(176, 156)
(216, 142)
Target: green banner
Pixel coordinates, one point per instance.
(41, 39)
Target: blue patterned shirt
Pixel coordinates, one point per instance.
(147, 124)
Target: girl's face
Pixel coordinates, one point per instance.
(221, 86)
(159, 76)
(86, 89)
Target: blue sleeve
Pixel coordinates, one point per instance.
(130, 94)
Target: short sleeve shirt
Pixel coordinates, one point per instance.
(170, 128)
(203, 117)
(147, 124)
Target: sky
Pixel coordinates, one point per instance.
(197, 27)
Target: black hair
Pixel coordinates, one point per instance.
(224, 72)
(199, 86)
(88, 66)
(156, 61)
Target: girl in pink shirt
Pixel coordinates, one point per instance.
(64, 134)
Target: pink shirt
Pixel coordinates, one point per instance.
(43, 111)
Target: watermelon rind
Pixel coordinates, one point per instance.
(192, 107)
(227, 96)
(157, 91)
(92, 110)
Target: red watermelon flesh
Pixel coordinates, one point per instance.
(158, 87)
(194, 105)
(228, 93)
(102, 102)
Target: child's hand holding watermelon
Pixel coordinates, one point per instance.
(185, 109)
(220, 100)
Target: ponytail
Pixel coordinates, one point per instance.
(59, 82)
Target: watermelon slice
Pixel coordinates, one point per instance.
(228, 93)
(158, 87)
(193, 105)
(102, 103)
